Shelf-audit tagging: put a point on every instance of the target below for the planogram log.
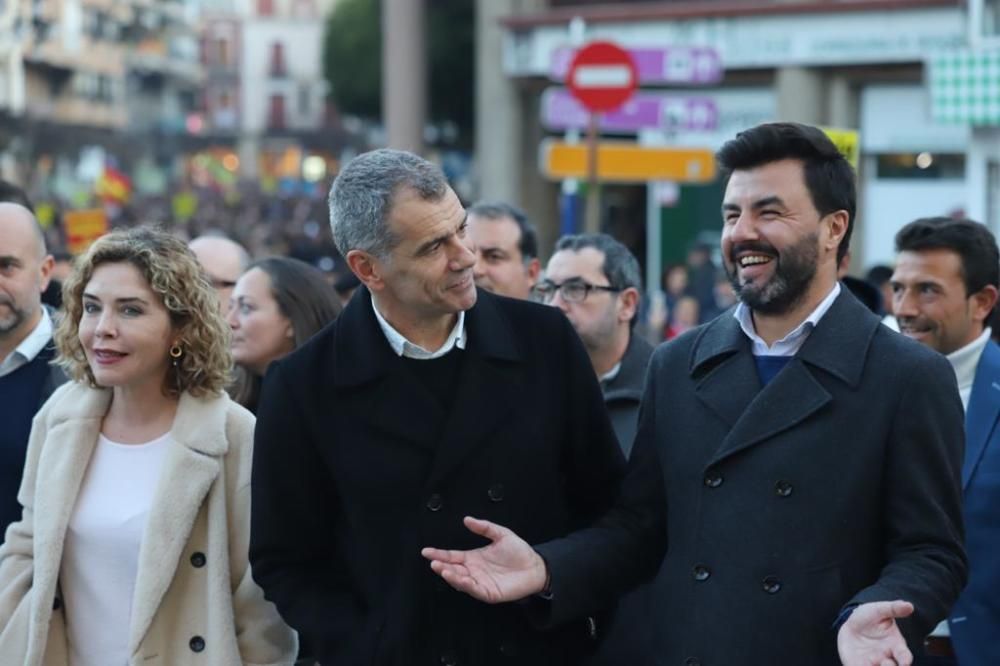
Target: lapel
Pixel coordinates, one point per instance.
(487, 389)
(191, 465)
(984, 408)
(370, 377)
(730, 387)
(76, 422)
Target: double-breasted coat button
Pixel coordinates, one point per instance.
(197, 644)
(495, 493)
(701, 573)
(783, 488)
(435, 502)
(449, 658)
(771, 584)
(713, 480)
(197, 560)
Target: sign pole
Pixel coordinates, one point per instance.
(592, 221)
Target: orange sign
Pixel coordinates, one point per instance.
(622, 162)
(83, 227)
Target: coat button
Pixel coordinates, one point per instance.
(449, 658)
(783, 488)
(771, 584)
(197, 560)
(701, 573)
(435, 502)
(197, 643)
(713, 480)
(495, 492)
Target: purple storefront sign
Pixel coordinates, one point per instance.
(561, 111)
(687, 65)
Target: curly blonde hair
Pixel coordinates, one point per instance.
(173, 274)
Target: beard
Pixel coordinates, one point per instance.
(794, 270)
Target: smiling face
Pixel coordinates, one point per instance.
(428, 274)
(778, 251)
(124, 328)
(261, 332)
(930, 301)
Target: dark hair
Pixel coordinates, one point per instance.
(620, 266)
(11, 193)
(829, 176)
(497, 210)
(304, 297)
(971, 241)
(879, 275)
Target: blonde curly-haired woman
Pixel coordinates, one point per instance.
(132, 546)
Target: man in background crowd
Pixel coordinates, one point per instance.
(506, 249)
(944, 290)
(223, 261)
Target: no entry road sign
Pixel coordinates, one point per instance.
(602, 76)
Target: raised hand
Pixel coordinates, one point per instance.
(507, 569)
(870, 636)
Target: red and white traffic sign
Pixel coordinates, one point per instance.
(602, 76)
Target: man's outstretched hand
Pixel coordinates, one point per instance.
(870, 636)
(507, 569)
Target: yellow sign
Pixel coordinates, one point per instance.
(621, 162)
(83, 227)
(847, 141)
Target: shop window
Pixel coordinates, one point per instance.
(921, 166)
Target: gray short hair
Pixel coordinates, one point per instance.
(621, 268)
(362, 197)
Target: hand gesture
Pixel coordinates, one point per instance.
(507, 569)
(870, 636)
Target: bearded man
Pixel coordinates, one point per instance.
(812, 457)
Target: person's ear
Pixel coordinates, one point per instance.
(367, 268)
(628, 303)
(983, 302)
(45, 271)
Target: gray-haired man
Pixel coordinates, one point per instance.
(425, 403)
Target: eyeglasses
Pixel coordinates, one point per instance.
(571, 291)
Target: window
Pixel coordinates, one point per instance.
(276, 112)
(265, 7)
(278, 59)
(305, 95)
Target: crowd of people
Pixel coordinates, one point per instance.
(464, 456)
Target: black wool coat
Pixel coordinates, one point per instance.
(350, 481)
(838, 483)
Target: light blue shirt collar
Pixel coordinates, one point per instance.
(403, 347)
(791, 343)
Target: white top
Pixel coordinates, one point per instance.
(965, 361)
(30, 346)
(101, 556)
(791, 343)
(403, 347)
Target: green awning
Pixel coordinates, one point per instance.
(965, 87)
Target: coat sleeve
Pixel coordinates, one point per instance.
(925, 557)
(261, 635)
(624, 541)
(293, 550)
(17, 561)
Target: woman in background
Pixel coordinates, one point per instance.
(133, 540)
(277, 304)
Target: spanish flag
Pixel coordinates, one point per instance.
(113, 186)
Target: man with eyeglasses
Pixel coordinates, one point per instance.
(595, 281)
(223, 261)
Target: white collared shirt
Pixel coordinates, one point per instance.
(403, 347)
(965, 361)
(30, 347)
(791, 343)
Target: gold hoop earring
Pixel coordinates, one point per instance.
(175, 353)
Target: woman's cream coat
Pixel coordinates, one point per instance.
(201, 506)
